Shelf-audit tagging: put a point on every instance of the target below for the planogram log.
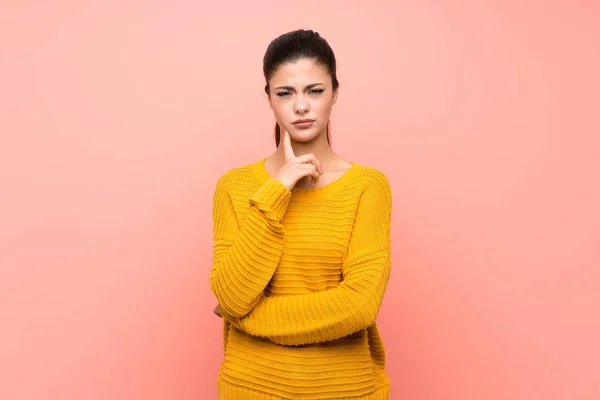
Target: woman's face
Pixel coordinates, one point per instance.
(302, 90)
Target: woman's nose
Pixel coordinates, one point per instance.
(302, 109)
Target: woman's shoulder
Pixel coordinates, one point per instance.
(237, 174)
(375, 188)
(373, 177)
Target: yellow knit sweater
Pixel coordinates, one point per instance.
(300, 276)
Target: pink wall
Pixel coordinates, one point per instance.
(116, 119)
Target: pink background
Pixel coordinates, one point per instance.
(117, 117)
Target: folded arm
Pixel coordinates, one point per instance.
(351, 306)
(245, 256)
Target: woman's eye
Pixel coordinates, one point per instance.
(283, 94)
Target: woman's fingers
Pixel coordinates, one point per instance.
(286, 142)
(309, 158)
(307, 165)
(310, 170)
(217, 310)
(288, 151)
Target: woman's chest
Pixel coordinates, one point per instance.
(315, 243)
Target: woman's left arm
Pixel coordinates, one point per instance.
(351, 306)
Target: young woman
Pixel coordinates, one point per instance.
(301, 249)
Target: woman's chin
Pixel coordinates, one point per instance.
(304, 135)
(303, 138)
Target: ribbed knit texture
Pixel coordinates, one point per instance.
(300, 276)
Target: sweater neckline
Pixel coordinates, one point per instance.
(327, 190)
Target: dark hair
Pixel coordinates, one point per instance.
(294, 46)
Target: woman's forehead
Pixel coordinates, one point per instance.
(301, 72)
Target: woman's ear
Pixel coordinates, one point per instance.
(335, 96)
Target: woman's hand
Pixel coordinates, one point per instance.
(216, 310)
(296, 168)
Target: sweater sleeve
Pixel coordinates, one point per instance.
(246, 255)
(349, 307)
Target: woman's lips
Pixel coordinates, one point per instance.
(303, 125)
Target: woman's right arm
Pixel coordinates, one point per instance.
(245, 256)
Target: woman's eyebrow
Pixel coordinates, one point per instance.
(312, 85)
